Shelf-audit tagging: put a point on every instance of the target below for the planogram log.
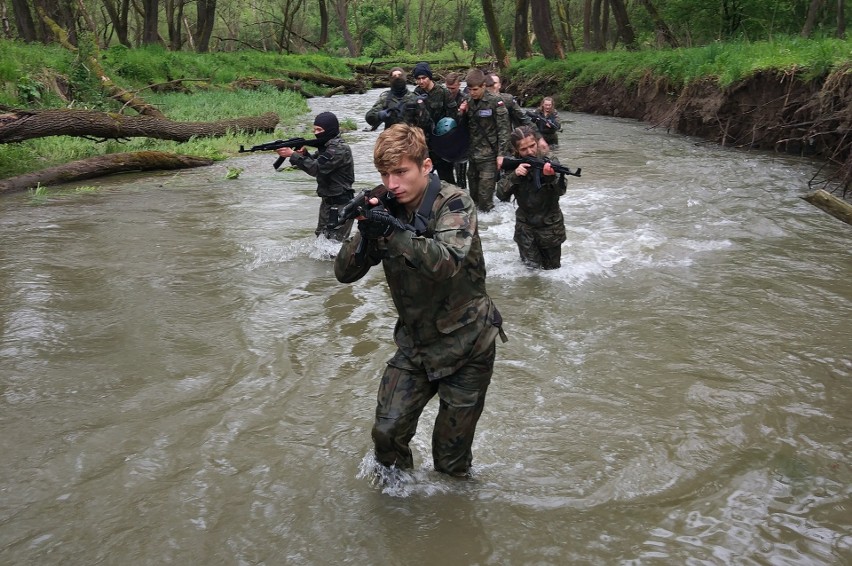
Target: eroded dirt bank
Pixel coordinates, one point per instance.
(771, 110)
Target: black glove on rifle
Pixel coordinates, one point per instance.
(378, 223)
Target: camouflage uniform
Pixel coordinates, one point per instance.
(548, 125)
(460, 169)
(445, 333)
(407, 109)
(439, 104)
(539, 224)
(487, 120)
(334, 169)
(517, 116)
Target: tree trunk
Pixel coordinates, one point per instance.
(150, 35)
(341, 8)
(24, 20)
(204, 27)
(523, 48)
(116, 92)
(551, 47)
(587, 25)
(497, 45)
(625, 28)
(598, 41)
(174, 21)
(563, 9)
(101, 166)
(810, 20)
(841, 21)
(662, 28)
(323, 34)
(836, 207)
(18, 125)
(118, 11)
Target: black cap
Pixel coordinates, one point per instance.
(422, 69)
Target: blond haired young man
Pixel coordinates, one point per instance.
(447, 324)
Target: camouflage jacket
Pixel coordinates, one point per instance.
(487, 120)
(439, 104)
(537, 208)
(517, 116)
(406, 109)
(437, 282)
(332, 165)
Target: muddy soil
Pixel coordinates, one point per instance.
(772, 110)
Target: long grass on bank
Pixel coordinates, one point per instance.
(35, 154)
(725, 62)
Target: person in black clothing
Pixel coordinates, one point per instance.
(334, 169)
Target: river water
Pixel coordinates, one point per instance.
(182, 379)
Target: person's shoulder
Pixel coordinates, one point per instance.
(454, 198)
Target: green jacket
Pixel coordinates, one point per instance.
(487, 120)
(439, 104)
(537, 208)
(437, 282)
(402, 109)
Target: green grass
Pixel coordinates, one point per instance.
(726, 63)
(35, 154)
(28, 70)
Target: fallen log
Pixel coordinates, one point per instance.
(18, 125)
(836, 207)
(119, 94)
(100, 166)
(352, 86)
(249, 83)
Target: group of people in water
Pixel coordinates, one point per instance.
(468, 131)
(421, 225)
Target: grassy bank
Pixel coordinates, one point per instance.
(727, 63)
(38, 76)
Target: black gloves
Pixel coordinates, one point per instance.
(378, 223)
(383, 115)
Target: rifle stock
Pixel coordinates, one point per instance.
(295, 143)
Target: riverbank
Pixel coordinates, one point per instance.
(791, 111)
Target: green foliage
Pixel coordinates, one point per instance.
(726, 62)
(86, 85)
(35, 154)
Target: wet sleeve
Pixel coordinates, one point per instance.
(441, 256)
(505, 187)
(345, 268)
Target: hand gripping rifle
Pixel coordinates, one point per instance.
(295, 143)
(537, 165)
(541, 121)
(359, 207)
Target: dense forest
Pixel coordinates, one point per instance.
(504, 29)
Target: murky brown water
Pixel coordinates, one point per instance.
(182, 380)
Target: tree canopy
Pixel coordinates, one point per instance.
(379, 28)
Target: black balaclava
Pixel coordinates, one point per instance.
(398, 84)
(328, 122)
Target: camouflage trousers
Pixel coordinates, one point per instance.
(540, 247)
(481, 180)
(322, 222)
(404, 393)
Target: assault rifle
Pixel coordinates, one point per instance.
(542, 122)
(537, 165)
(295, 143)
(359, 207)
